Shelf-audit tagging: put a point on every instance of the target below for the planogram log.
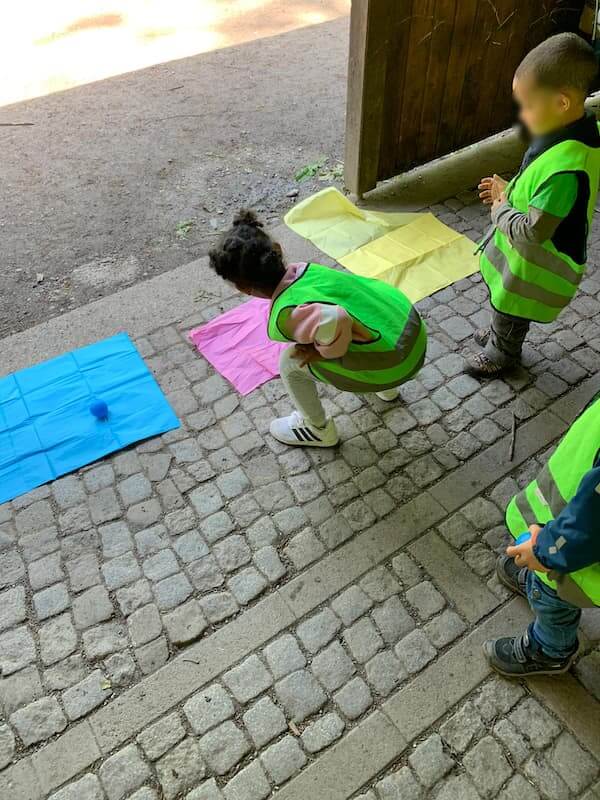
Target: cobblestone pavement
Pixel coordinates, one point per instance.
(329, 606)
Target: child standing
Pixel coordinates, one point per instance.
(358, 334)
(534, 259)
(558, 568)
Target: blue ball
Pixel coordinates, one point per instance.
(99, 409)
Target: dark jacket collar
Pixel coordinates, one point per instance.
(584, 130)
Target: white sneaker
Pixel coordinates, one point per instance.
(295, 430)
(388, 394)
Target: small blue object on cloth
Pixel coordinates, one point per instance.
(48, 425)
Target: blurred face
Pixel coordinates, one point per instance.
(543, 110)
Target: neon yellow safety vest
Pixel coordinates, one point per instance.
(555, 487)
(539, 290)
(397, 350)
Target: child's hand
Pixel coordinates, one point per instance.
(523, 553)
(491, 189)
(306, 354)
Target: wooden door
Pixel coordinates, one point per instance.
(427, 77)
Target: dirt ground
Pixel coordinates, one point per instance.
(116, 181)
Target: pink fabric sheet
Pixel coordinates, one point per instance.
(237, 346)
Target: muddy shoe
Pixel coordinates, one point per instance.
(513, 577)
(482, 336)
(480, 366)
(516, 657)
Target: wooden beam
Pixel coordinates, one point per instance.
(367, 68)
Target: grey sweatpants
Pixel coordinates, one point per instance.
(507, 335)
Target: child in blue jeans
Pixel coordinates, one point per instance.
(558, 568)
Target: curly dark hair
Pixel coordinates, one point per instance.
(247, 256)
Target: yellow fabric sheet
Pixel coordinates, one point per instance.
(414, 252)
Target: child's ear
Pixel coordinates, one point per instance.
(278, 248)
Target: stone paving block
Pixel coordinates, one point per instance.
(51, 601)
(83, 572)
(20, 689)
(354, 699)
(497, 697)
(351, 605)
(336, 530)
(12, 607)
(86, 695)
(104, 640)
(116, 539)
(318, 630)
(185, 624)
(399, 785)
(224, 747)
(35, 518)
(415, 651)
(323, 732)
(120, 571)
(540, 772)
(514, 742)
(7, 745)
(206, 791)
(39, 720)
(284, 656)
(157, 739)
(363, 640)
(86, 788)
(384, 672)
(430, 761)
(190, 547)
(120, 669)
(133, 597)
(458, 786)
(180, 769)
(518, 788)
(123, 773)
(160, 565)
(487, 766)
(268, 562)
(248, 680)
(462, 728)
(58, 639)
(17, 649)
(142, 515)
(144, 625)
(379, 584)
(104, 506)
(283, 760)
(100, 477)
(444, 629)
(65, 673)
(332, 667)
(232, 553)
(218, 606)
(45, 571)
(264, 722)
(300, 695)
(172, 591)
(425, 599)
(92, 607)
(208, 708)
(576, 767)
(250, 783)
(152, 656)
(303, 549)
(406, 570)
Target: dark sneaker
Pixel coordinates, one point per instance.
(482, 336)
(520, 656)
(480, 366)
(513, 577)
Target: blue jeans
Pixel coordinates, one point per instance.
(556, 621)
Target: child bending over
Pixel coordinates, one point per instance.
(358, 334)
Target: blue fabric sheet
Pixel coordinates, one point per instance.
(46, 427)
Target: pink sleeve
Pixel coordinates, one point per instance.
(328, 328)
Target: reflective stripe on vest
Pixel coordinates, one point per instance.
(397, 350)
(545, 498)
(537, 282)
